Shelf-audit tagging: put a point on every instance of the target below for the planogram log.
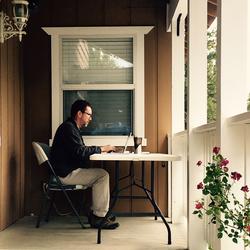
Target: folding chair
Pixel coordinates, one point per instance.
(42, 152)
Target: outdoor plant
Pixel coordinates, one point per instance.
(223, 209)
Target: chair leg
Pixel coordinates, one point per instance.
(51, 201)
(73, 208)
(44, 202)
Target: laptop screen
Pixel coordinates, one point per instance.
(126, 144)
(123, 149)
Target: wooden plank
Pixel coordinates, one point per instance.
(17, 134)
(4, 128)
(22, 141)
(10, 170)
(64, 12)
(1, 130)
(117, 12)
(91, 13)
(143, 4)
(143, 16)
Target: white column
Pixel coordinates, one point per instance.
(232, 88)
(178, 124)
(178, 67)
(248, 46)
(197, 114)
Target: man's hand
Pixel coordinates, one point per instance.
(107, 148)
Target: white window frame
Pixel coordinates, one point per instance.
(57, 87)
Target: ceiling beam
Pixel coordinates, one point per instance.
(212, 10)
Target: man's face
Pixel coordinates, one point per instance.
(85, 117)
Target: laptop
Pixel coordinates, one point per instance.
(122, 150)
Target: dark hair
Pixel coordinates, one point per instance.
(79, 105)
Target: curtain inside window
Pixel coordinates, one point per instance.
(97, 60)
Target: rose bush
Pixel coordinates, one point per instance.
(231, 216)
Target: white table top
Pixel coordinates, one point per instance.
(134, 157)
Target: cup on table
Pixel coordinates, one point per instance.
(137, 144)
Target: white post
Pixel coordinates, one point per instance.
(232, 88)
(197, 114)
(178, 122)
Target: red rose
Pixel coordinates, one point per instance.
(198, 205)
(247, 228)
(200, 185)
(216, 150)
(245, 189)
(224, 162)
(236, 176)
(199, 163)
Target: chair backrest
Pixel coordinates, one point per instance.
(42, 152)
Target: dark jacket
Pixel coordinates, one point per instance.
(68, 151)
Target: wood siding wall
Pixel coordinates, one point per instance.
(157, 80)
(11, 130)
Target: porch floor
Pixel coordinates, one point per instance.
(134, 233)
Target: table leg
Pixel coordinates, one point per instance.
(160, 213)
(132, 180)
(115, 192)
(143, 174)
(153, 185)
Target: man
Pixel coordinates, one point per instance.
(69, 156)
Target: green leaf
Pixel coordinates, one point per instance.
(205, 191)
(195, 212)
(220, 235)
(224, 179)
(235, 240)
(209, 212)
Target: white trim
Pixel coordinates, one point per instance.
(124, 31)
(243, 118)
(139, 86)
(180, 134)
(84, 86)
(55, 88)
(205, 128)
(137, 33)
(113, 140)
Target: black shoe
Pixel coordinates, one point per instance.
(111, 217)
(95, 222)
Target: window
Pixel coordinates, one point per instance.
(105, 66)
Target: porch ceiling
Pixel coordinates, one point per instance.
(211, 11)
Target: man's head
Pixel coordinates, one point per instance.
(81, 112)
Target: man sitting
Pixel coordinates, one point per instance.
(70, 156)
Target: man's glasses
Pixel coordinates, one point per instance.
(91, 115)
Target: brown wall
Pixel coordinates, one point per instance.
(157, 80)
(11, 130)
